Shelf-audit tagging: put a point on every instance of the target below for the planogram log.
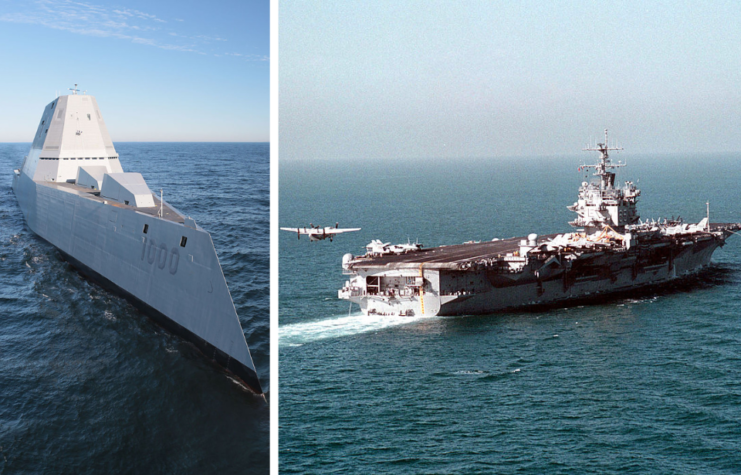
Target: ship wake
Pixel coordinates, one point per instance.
(296, 334)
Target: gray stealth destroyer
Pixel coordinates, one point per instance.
(612, 250)
(108, 224)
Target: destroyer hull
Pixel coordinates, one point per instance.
(165, 268)
(470, 292)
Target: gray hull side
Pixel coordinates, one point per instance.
(183, 288)
(528, 294)
(553, 291)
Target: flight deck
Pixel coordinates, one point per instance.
(454, 256)
(445, 256)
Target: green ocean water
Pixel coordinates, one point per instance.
(648, 383)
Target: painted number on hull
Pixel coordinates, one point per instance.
(159, 255)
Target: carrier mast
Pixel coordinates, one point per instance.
(607, 179)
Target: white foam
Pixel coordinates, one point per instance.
(335, 327)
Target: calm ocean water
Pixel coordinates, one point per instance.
(90, 385)
(650, 383)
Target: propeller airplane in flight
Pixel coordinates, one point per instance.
(317, 233)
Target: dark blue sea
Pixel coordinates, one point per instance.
(88, 384)
(643, 383)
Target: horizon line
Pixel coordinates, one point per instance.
(167, 141)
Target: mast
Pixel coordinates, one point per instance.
(607, 178)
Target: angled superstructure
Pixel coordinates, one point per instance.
(74, 193)
(611, 251)
(71, 134)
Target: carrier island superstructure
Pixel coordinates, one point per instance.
(610, 250)
(109, 225)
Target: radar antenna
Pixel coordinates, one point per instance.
(74, 90)
(600, 169)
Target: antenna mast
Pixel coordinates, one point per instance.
(708, 225)
(601, 169)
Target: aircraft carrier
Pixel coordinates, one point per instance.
(109, 225)
(610, 250)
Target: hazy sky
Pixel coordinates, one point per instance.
(502, 78)
(161, 71)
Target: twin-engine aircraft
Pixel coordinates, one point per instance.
(317, 233)
(378, 248)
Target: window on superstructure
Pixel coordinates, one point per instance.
(47, 130)
(146, 228)
(88, 117)
(183, 240)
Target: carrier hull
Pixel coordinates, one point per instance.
(483, 278)
(486, 297)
